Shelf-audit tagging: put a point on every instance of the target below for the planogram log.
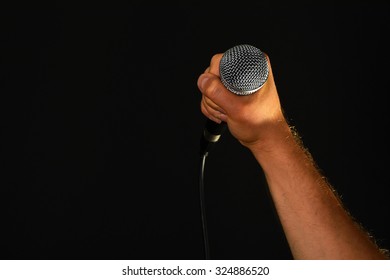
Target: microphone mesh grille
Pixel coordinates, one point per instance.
(243, 69)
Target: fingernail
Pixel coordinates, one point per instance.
(203, 82)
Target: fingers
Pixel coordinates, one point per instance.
(214, 64)
(209, 103)
(212, 110)
(214, 97)
(210, 85)
(212, 114)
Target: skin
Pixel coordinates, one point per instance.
(316, 224)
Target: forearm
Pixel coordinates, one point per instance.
(315, 223)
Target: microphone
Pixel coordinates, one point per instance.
(243, 70)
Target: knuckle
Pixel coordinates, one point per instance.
(205, 111)
(215, 59)
(217, 90)
(214, 63)
(212, 89)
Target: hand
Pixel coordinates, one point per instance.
(248, 117)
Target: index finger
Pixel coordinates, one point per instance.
(214, 64)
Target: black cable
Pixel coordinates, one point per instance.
(203, 206)
(210, 136)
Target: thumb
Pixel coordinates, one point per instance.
(211, 86)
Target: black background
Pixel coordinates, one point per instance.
(100, 127)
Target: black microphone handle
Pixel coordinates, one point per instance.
(211, 134)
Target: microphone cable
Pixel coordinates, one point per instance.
(203, 206)
(211, 134)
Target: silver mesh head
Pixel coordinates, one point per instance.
(243, 69)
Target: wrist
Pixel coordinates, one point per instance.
(278, 143)
(273, 134)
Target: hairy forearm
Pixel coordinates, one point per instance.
(316, 224)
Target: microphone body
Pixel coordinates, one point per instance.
(243, 71)
(211, 134)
